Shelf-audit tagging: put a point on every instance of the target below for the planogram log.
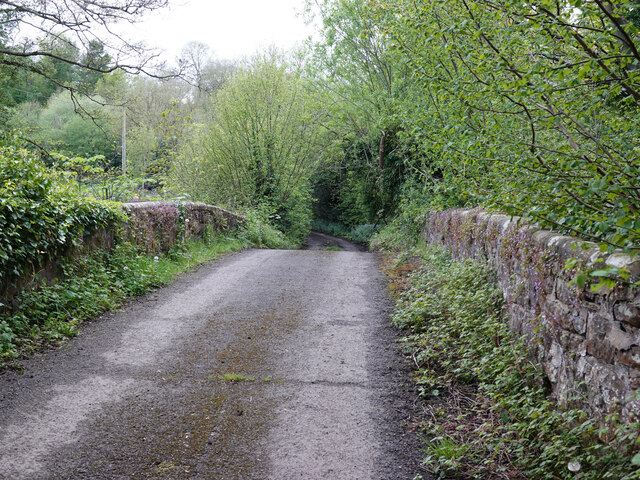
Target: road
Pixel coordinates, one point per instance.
(265, 364)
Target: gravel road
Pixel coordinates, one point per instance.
(320, 390)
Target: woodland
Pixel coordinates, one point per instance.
(398, 107)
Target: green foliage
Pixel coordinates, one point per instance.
(77, 127)
(354, 63)
(361, 234)
(258, 232)
(405, 230)
(235, 377)
(492, 414)
(531, 108)
(261, 145)
(41, 213)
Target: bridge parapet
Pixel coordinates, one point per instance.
(587, 341)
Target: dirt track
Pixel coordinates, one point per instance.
(141, 394)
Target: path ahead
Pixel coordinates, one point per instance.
(141, 394)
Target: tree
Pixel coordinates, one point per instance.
(529, 107)
(67, 28)
(62, 130)
(99, 60)
(263, 143)
(354, 64)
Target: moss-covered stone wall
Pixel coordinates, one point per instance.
(587, 341)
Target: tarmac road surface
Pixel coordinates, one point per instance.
(265, 364)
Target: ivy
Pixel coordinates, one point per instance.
(41, 213)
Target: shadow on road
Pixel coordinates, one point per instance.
(322, 241)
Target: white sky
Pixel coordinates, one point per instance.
(231, 28)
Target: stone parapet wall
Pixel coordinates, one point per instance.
(156, 226)
(588, 342)
(152, 226)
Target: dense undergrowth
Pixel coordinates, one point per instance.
(41, 212)
(487, 412)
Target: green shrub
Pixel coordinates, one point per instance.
(336, 229)
(41, 213)
(258, 232)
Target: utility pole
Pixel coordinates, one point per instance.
(124, 140)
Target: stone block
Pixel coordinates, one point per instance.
(596, 334)
(554, 362)
(579, 322)
(558, 313)
(572, 342)
(622, 260)
(627, 313)
(634, 379)
(630, 358)
(621, 338)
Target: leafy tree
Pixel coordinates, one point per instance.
(81, 22)
(62, 130)
(529, 107)
(99, 60)
(70, 53)
(354, 63)
(264, 142)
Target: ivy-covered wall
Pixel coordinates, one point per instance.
(587, 341)
(153, 226)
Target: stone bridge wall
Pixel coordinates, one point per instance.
(588, 342)
(153, 226)
(156, 226)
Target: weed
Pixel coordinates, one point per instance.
(488, 414)
(334, 249)
(234, 377)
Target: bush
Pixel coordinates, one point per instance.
(41, 213)
(258, 232)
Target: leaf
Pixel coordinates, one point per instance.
(580, 280)
(604, 273)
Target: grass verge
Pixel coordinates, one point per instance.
(487, 413)
(93, 284)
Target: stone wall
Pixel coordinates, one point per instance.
(153, 226)
(156, 226)
(588, 342)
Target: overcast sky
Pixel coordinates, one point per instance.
(231, 28)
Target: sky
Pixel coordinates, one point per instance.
(231, 28)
